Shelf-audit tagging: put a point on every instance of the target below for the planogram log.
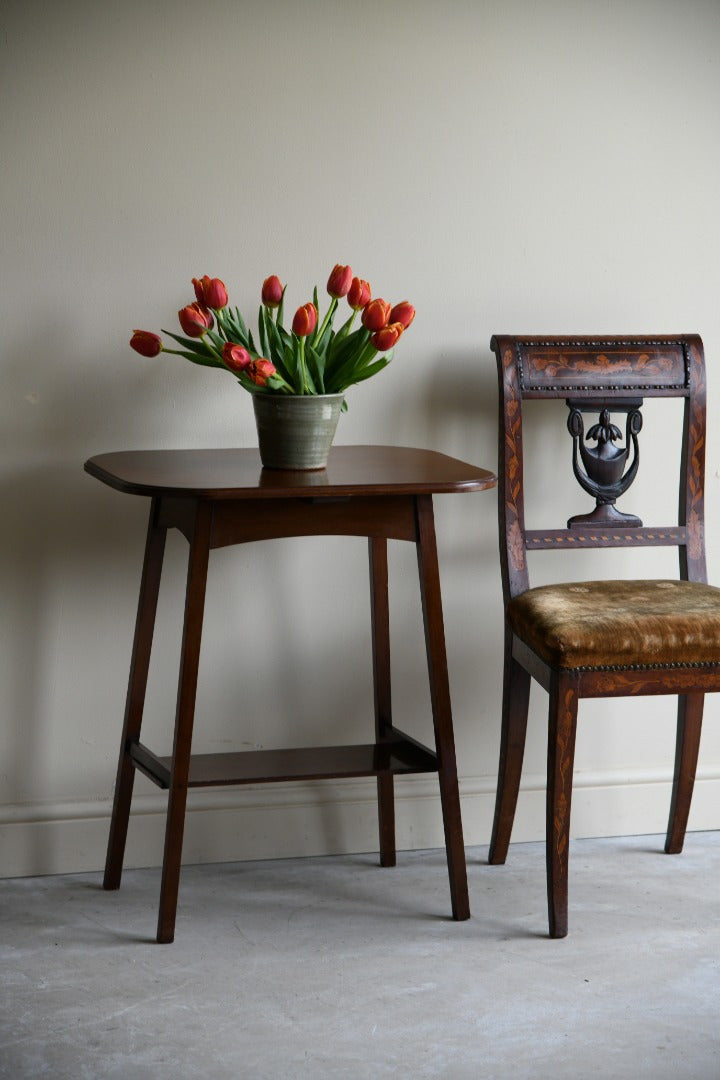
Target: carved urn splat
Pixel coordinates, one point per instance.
(607, 470)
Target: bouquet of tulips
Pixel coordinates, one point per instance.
(310, 358)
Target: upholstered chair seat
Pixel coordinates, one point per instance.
(598, 624)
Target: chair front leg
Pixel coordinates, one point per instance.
(562, 724)
(689, 727)
(516, 698)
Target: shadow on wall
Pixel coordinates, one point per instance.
(458, 414)
(456, 408)
(61, 544)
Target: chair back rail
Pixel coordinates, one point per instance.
(594, 374)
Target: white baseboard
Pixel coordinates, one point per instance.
(324, 818)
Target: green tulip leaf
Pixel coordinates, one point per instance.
(203, 361)
(262, 332)
(315, 367)
(371, 369)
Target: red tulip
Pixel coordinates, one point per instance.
(235, 356)
(339, 281)
(376, 314)
(216, 294)
(210, 292)
(200, 285)
(358, 293)
(146, 343)
(305, 320)
(259, 371)
(403, 313)
(272, 291)
(194, 320)
(387, 337)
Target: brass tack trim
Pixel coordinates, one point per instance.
(647, 667)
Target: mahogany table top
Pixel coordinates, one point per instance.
(238, 473)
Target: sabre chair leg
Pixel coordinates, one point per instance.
(380, 617)
(441, 710)
(187, 688)
(689, 726)
(560, 756)
(516, 697)
(137, 684)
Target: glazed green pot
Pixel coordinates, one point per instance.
(296, 431)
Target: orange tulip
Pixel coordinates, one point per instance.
(305, 320)
(376, 314)
(358, 293)
(403, 313)
(387, 337)
(259, 371)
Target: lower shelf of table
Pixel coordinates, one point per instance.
(399, 756)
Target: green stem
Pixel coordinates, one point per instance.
(303, 370)
(328, 316)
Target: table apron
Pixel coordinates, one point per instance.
(242, 521)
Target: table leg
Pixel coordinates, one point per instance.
(380, 616)
(440, 698)
(137, 684)
(187, 688)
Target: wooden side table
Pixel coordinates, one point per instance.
(221, 497)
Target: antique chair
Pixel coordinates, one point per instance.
(601, 638)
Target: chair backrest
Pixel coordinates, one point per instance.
(604, 376)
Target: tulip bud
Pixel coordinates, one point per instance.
(358, 293)
(305, 320)
(376, 315)
(259, 371)
(272, 291)
(194, 320)
(403, 313)
(235, 356)
(387, 337)
(146, 343)
(339, 281)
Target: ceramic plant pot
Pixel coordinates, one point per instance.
(296, 431)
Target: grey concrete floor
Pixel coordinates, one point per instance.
(333, 967)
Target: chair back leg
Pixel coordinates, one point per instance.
(516, 698)
(689, 726)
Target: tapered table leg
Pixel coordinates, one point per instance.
(380, 614)
(137, 684)
(440, 699)
(187, 688)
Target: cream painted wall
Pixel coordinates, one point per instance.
(508, 166)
